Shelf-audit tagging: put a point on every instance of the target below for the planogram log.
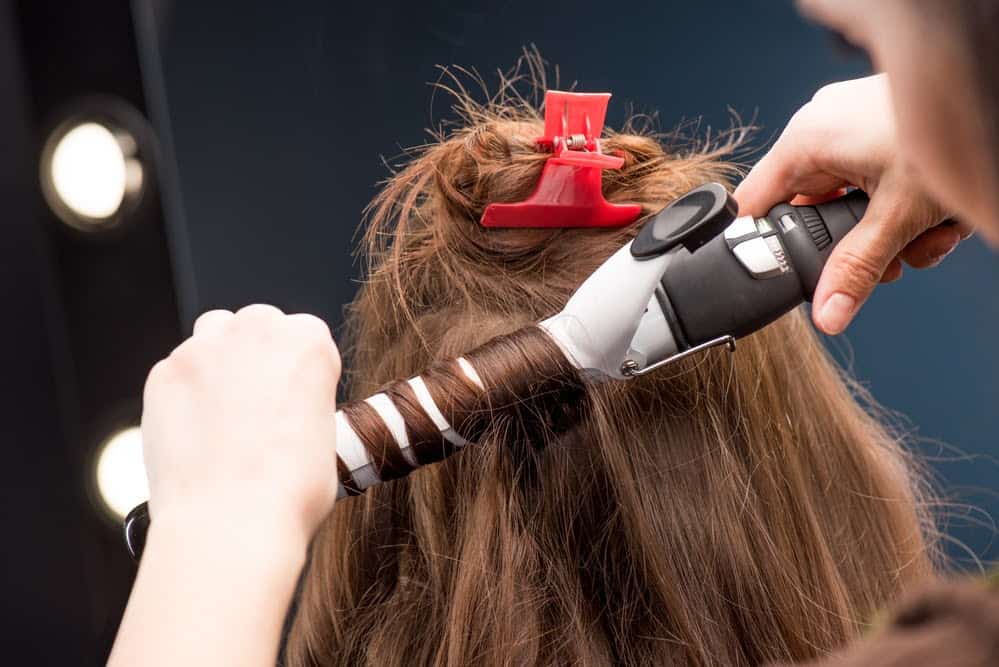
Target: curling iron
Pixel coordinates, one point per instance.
(696, 276)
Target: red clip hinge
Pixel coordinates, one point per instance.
(569, 192)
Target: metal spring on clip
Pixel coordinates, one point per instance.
(575, 142)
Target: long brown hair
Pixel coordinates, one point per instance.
(737, 509)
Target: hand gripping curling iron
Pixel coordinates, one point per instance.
(696, 276)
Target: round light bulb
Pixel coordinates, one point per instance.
(121, 472)
(89, 171)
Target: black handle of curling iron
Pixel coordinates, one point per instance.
(757, 270)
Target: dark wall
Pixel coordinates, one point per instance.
(282, 111)
(46, 557)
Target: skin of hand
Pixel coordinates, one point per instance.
(238, 434)
(847, 136)
(941, 106)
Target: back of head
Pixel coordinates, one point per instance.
(738, 509)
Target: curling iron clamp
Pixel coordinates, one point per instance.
(695, 277)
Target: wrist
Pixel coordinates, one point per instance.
(265, 540)
(211, 589)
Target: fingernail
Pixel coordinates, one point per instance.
(837, 312)
(936, 259)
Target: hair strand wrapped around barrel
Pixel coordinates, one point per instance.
(521, 382)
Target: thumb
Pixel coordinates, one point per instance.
(860, 259)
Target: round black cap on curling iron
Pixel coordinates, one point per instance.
(690, 221)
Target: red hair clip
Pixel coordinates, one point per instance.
(569, 193)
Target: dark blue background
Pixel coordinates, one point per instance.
(282, 111)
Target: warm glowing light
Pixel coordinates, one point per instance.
(90, 171)
(121, 472)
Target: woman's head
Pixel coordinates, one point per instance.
(734, 510)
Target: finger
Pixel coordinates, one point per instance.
(929, 248)
(766, 184)
(318, 333)
(211, 321)
(259, 311)
(815, 10)
(159, 375)
(963, 228)
(812, 200)
(780, 175)
(860, 259)
(893, 272)
(312, 324)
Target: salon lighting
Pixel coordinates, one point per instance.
(121, 473)
(89, 171)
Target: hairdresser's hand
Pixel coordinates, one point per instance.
(846, 136)
(238, 424)
(239, 439)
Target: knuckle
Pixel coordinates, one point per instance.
(182, 360)
(317, 344)
(209, 315)
(806, 134)
(259, 312)
(827, 91)
(191, 355)
(160, 370)
(311, 333)
(161, 373)
(810, 129)
(800, 117)
(312, 328)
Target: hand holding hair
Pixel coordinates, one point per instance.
(238, 419)
(238, 436)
